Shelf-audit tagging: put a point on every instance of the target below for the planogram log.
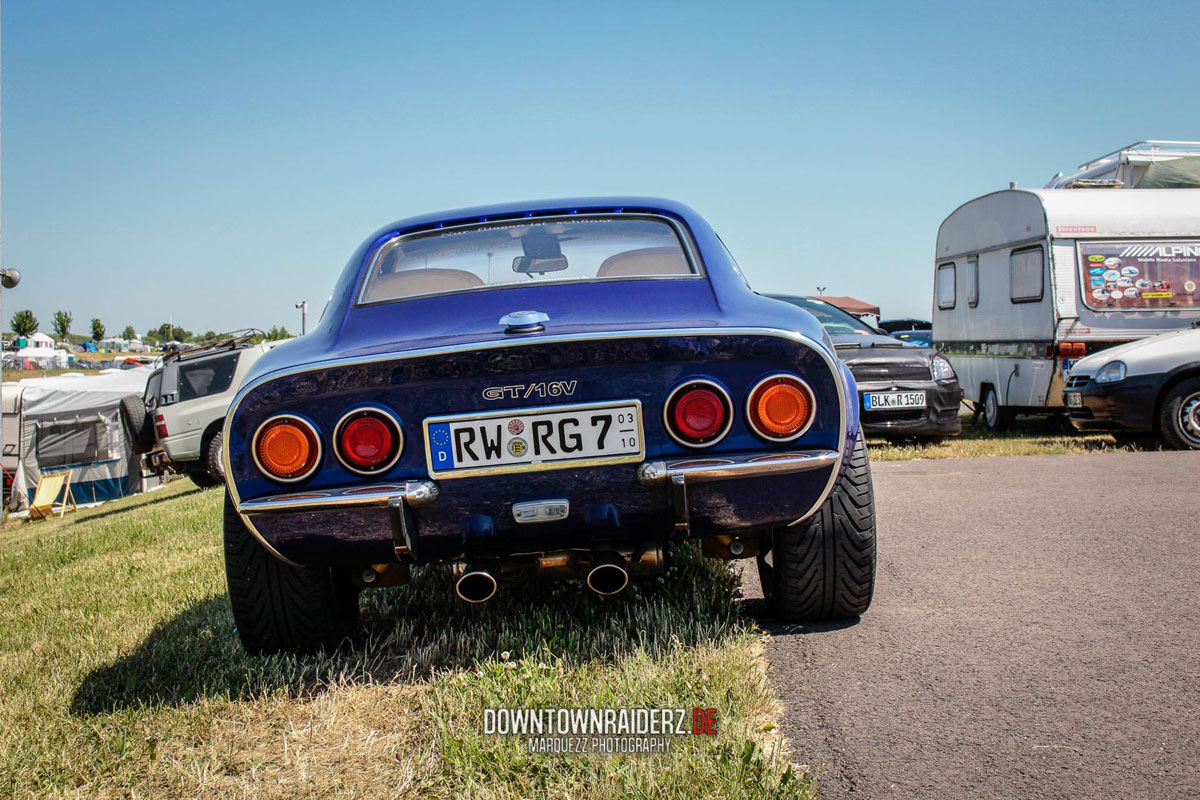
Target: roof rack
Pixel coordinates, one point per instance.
(222, 341)
(1123, 168)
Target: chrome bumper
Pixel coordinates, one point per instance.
(651, 473)
(414, 493)
(720, 468)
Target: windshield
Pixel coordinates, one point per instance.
(1140, 275)
(524, 253)
(832, 318)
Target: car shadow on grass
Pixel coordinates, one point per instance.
(411, 632)
(139, 503)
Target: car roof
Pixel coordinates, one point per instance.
(538, 208)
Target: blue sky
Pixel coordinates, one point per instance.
(216, 162)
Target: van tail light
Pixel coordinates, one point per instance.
(368, 441)
(698, 413)
(780, 408)
(286, 448)
(160, 426)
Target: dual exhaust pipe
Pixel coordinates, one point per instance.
(607, 577)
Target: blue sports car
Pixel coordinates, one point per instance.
(557, 389)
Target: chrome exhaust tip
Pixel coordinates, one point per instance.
(475, 587)
(607, 579)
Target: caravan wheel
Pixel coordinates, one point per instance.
(997, 418)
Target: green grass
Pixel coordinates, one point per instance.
(1029, 436)
(121, 676)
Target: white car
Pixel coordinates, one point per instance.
(1147, 387)
(185, 403)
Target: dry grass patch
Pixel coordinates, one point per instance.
(121, 676)
(1030, 436)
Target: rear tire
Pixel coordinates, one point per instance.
(212, 458)
(824, 568)
(1179, 416)
(139, 428)
(278, 607)
(997, 418)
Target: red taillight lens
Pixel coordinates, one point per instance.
(368, 441)
(160, 426)
(698, 413)
(287, 448)
(1072, 349)
(780, 408)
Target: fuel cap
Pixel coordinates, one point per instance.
(524, 321)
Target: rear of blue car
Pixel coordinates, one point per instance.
(544, 445)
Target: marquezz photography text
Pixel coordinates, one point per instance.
(604, 731)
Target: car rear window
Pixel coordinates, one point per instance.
(526, 252)
(207, 377)
(153, 390)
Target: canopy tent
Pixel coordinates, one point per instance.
(1181, 173)
(41, 358)
(73, 424)
(39, 339)
(851, 305)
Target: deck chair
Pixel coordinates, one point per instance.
(45, 498)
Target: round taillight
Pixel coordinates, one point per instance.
(698, 413)
(287, 448)
(367, 441)
(780, 408)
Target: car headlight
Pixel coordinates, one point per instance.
(1111, 372)
(942, 371)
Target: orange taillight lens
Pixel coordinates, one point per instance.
(287, 448)
(780, 407)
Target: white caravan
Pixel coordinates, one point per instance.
(1029, 280)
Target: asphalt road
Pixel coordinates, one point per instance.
(1034, 634)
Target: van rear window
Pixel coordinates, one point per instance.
(1136, 275)
(207, 377)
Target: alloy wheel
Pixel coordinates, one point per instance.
(1189, 419)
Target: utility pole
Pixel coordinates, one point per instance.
(8, 279)
(303, 306)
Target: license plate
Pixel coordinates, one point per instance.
(1074, 400)
(875, 401)
(526, 440)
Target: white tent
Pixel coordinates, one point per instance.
(73, 424)
(45, 357)
(39, 339)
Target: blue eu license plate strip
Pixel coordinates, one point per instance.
(530, 439)
(875, 401)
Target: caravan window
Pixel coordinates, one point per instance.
(60, 443)
(945, 285)
(1025, 274)
(973, 281)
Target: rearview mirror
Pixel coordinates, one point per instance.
(530, 264)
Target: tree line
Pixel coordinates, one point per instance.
(24, 323)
